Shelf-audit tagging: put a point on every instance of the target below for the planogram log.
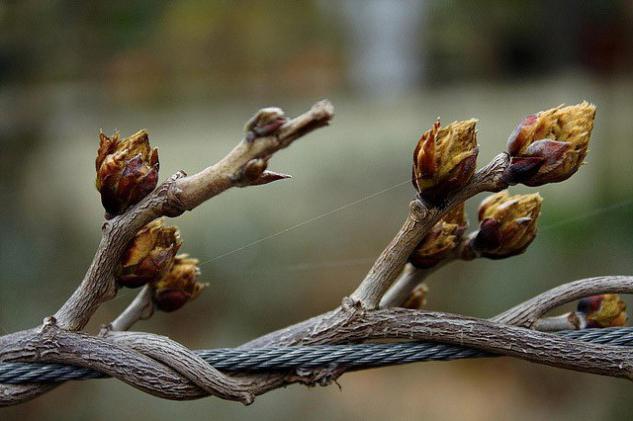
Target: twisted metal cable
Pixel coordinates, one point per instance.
(352, 356)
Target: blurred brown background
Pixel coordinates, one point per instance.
(192, 72)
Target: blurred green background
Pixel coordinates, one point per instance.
(192, 72)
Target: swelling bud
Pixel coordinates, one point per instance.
(444, 159)
(150, 255)
(127, 171)
(605, 310)
(507, 224)
(550, 146)
(441, 241)
(179, 286)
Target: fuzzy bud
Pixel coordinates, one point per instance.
(179, 286)
(605, 310)
(443, 238)
(507, 224)
(150, 255)
(444, 159)
(127, 170)
(550, 146)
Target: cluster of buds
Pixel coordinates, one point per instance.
(550, 146)
(150, 258)
(179, 286)
(605, 310)
(444, 159)
(150, 255)
(507, 224)
(442, 240)
(127, 171)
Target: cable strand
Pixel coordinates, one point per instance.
(351, 356)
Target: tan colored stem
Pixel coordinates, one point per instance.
(193, 190)
(569, 321)
(140, 308)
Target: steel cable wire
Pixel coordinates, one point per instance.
(350, 356)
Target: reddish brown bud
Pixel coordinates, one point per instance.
(444, 159)
(150, 255)
(127, 170)
(507, 224)
(179, 286)
(550, 146)
(605, 310)
(417, 299)
(443, 238)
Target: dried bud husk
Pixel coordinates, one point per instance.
(604, 310)
(150, 255)
(444, 159)
(179, 286)
(127, 170)
(550, 146)
(417, 299)
(442, 240)
(507, 224)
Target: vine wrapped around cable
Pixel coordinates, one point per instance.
(138, 250)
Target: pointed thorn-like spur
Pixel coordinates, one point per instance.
(269, 177)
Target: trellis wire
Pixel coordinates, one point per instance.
(352, 356)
